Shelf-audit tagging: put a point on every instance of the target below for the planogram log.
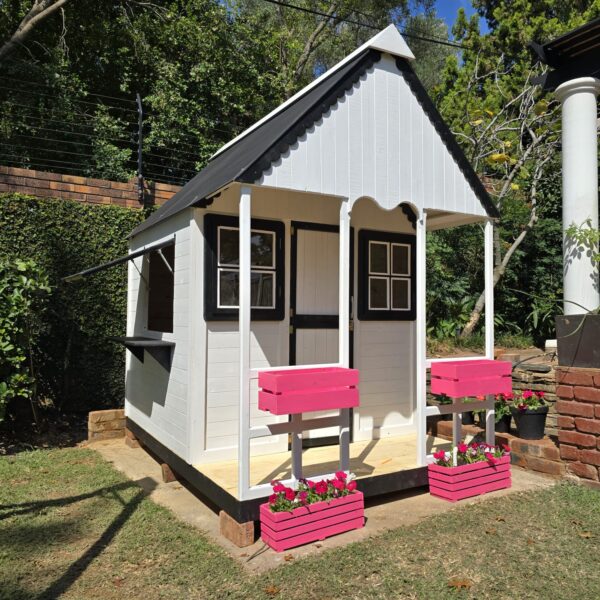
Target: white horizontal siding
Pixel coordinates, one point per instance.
(156, 399)
(376, 142)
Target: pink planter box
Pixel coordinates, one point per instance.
(456, 483)
(284, 530)
(457, 379)
(305, 390)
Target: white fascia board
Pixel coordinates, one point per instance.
(388, 40)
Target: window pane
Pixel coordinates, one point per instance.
(262, 289)
(263, 251)
(229, 288)
(400, 294)
(262, 285)
(400, 259)
(262, 244)
(229, 244)
(378, 293)
(378, 257)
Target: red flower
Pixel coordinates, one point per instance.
(540, 394)
(290, 494)
(341, 475)
(279, 487)
(321, 487)
(439, 455)
(302, 497)
(490, 458)
(462, 448)
(506, 447)
(351, 486)
(527, 394)
(273, 498)
(338, 484)
(311, 484)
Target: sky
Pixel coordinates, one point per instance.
(447, 9)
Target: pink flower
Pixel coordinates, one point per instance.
(341, 475)
(351, 486)
(311, 484)
(527, 394)
(321, 487)
(302, 497)
(273, 498)
(338, 484)
(290, 494)
(462, 448)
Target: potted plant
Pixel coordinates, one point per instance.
(502, 412)
(530, 411)
(469, 470)
(577, 335)
(313, 511)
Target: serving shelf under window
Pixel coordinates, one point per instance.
(160, 350)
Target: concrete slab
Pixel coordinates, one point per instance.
(381, 514)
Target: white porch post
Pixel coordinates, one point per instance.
(421, 339)
(244, 334)
(580, 189)
(344, 325)
(490, 436)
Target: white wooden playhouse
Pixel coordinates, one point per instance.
(329, 198)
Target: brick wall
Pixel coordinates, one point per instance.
(578, 409)
(85, 189)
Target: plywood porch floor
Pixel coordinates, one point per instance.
(367, 459)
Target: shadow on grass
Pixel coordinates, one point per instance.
(63, 583)
(57, 588)
(15, 510)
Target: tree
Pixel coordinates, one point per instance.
(40, 11)
(508, 127)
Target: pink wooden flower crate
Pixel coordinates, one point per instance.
(457, 379)
(465, 481)
(284, 530)
(304, 390)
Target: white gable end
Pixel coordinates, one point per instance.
(377, 141)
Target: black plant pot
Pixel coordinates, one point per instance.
(503, 424)
(530, 423)
(577, 340)
(468, 418)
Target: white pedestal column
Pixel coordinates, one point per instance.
(580, 189)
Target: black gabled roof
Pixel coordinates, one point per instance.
(246, 159)
(572, 55)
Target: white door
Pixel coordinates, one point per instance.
(314, 306)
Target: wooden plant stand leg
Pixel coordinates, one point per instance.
(240, 534)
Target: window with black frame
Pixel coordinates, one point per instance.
(222, 264)
(386, 276)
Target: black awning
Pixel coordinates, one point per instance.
(117, 261)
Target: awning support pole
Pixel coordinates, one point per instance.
(490, 418)
(421, 339)
(344, 324)
(245, 208)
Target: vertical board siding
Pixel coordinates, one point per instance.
(377, 142)
(157, 399)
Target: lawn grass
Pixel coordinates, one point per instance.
(71, 526)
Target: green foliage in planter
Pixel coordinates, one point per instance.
(78, 369)
(23, 287)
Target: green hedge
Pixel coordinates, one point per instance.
(79, 369)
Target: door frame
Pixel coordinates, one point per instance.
(317, 321)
